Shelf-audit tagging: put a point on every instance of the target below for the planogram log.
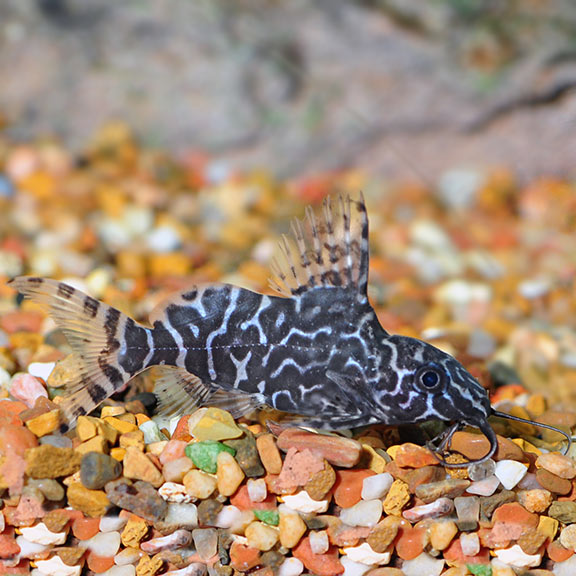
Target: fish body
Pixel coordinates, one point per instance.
(315, 350)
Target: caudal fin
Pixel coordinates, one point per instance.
(96, 333)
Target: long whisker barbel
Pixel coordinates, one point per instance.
(446, 437)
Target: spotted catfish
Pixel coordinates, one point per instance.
(315, 350)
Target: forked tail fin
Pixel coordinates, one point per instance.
(97, 334)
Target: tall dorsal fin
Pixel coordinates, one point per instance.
(327, 251)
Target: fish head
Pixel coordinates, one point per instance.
(420, 382)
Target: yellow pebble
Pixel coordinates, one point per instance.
(86, 428)
(141, 418)
(112, 411)
(133, 533)
(392, 451)
(261, 536)
(118, 453)
(109, 432)
(374, 461)
(96, 444)
(397, 498)
(548, 526)
(134, 438)
(45, 423)
(120, 425)
(229, 474)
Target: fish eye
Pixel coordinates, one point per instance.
(430, 378)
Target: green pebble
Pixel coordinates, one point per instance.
(268, 516)
(205, 454)
(480, 569)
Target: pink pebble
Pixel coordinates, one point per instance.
(173, 450)
(27, 388)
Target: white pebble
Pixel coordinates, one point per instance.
(485, 487)
(39, 534)
(228, 517)
(2, 521)
(178, 539)
(375, 487)
(182, 515)
(174, 492)
(566, 568)
(164, 239)
(319, 543)
(103, 543)
(365, 555)
(127, 570)
(423, 564)
(4, 380)
(128, 556)
(291, 567)
(352, 568)
(194, 569)
(41, 369)
(517, 558)
(301, 502)
(55, 567)
(470, 543)
(29, 549)
(151, 432)
(365, 513)
(112, 523)
(257, 489)
(510, 472)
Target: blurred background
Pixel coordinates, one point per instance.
(146, 145)
(401, 87)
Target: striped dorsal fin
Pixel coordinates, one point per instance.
(327, 251)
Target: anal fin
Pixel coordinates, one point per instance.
(237, 403)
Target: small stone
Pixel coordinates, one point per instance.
(103, 544)
(442, 532)
(55, 566)
(291, 527)
(149, 566)
(179, 517)
(134, 531)
(96, 444)
(341, 452)
(257, 489)
(566, 567)
(423, 564)
(215, 424)
(365, 555)
(47, 461)
(517, 558)
(209, 512)
(352, 568)
(564, 512)
(485, 487)
(96, 470)
(376, 487)
(291, 567)
(44, 424)
(139, 497)
(242, 557)
(568, 537)
(175, 470)
(71, 556)
(397, 498)
(120, 425)
(449, 488)
(298, 468)
(93, 503)
(321, 483)
(553, 483)
(178, 539)
(151, 432)
(320, 564)
(413, 456)
(510, 472)
(489, 504)
(134, 439)
(441, 507)
(301, 502)
(558, 464)
(40, 534)
(269, 453)
(112, 523)
(535, 500)
(531, 541)
(137, 466)
(481, 470)
(206, 542)
(247, 454)
(510, 522)
(173, 492)
(364, 513)
(261, 536)
(27, 388)
(348, 487)
(410, 541)
(205, 454)
(475, 446)
(270, 517)
(199, 485)
(468, 512)
(319, 542)
(470, 543)
(384, 533)
(229, 474)
(50, 488)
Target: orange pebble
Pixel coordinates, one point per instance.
(99, 563)
(181, 432)
(454, 555)
(243, 558)
(241, 499)
(410, 541)
(85, 528)
(348, 486)
(557, 552)
(326, 564)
